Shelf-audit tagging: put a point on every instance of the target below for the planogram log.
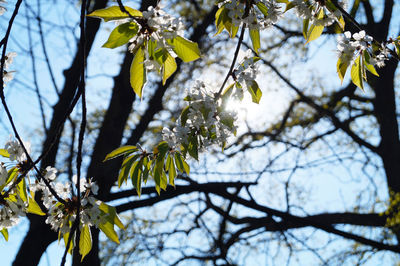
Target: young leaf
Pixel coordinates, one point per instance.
(114, 13)
(254, 91)
(356, 73)
(125, 168)
(171, 169)
(193, 147)
(185, 49)
(255, 39)
(169, 66)
(341, 67)
(85, 241)
(108, 229)
(368, 65)
(4, 232)
(138, 72)
(33, 207)
(221, 17)
(136, 175)
(315, 30)
(184, 115)
(112, 215)
(120, 151)
(262, 8)
(121, 35)
(4, 153)
(181, 164)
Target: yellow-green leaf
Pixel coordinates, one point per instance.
(356, 73)
(169, 67)
(33, 207)
(254, 91)
(138, 72)
(114, 13)
(85, 241)
(221, 19)
(185, 49)
(121, 35)
(112, 215)
(262, 8)
(121, 151)
(315, 30)
(4, 232)
(368, 65)
(108, 229)
(4, 153)
(341, 68)
(255, 39)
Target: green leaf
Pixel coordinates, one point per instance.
(4, 232)
(262, 8)
(4, 153)
(112, 215)
(356, 73)
(114, 13)
(397, 45)
(138, 72)
(71, 246)
(221, 18)
(108, 229)
(341, 67)
(33, 207)
(193, 147)
(120, 151)
(305, 27)
(315, 30)
(169, 67)
(255, 39)
(21, 190)
(136, 175)
(368, 65)
(181, 164)
(121, 35)
(164, 182)
(185, 49)
(184, 115)
(171, 169)
(254, 91)
(85, 241)
(125, 168)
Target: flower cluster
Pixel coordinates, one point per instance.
(8, 75)
(156, 27)
(61, 216)
(255, 18)
(247, 70)
(11, 209)
(312, 10)
(16, 151)
(203, 122)
(349, 46)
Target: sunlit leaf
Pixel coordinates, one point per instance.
(356, 73)
(4, 232)
(315, 30)
(262, 8)
(341, 67)
(114, 13)
(120, 151)
(85, 241)
(254, 91)
(4, 153)
(185, 49)
(255, 39)
(138, 72)
(121, 35)
(33, 207)
(108, 229)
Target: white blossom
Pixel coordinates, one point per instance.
(3, 174)
(16, 151)
(2, 8)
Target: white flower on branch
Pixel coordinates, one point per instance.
(16, 151)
